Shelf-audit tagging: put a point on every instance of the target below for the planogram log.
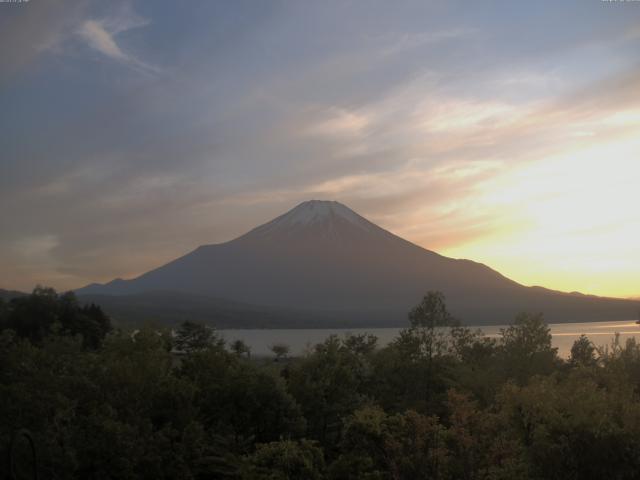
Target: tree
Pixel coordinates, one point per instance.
(582, 352)
(4, 311)
(194, 337)
(376, 445)
(280, 350)
(571, 428)
(240, 399)
(425, 318)
(286, 460)
(328, 384)
(240, 348)
(89, 321)
(32, 317)
(98, 327)
(474, 369)
(44, 313)
(426, 338)
(526, 348)
(431, 312)
(360, 344)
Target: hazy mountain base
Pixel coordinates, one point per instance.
(170, 308)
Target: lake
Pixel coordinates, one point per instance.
(564, 334)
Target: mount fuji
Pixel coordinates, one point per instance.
(323, 262)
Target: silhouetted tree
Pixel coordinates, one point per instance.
(44, 312)
(193, 337)
(328, 386)
(361, 344)
(582, 352)
(4, 311)
(526, 348)
(33, 316)
(286, 460)
(240, 348)
(428, 320)
(280, 350)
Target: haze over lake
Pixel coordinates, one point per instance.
(299, 340)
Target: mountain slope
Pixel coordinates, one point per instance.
(322, 256)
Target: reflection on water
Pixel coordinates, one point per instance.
(564, 334)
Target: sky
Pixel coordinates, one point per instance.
(504, 132)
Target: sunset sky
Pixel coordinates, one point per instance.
(504, 132)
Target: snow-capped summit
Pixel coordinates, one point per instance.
(314, 211)
(317, 217)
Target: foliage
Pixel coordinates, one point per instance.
(280, 350)
(416, 364)
(194, 337)
(240, 348)
(583, 353)
(526, 348)
(573, 428)
(329, 385)
(44, 312)
(441, 401)
(286, 460)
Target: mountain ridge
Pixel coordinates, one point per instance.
(323, 256)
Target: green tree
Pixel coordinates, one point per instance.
(414, 365)
(583, 353)
(526, 348)
(194, 337)
(4, 311)
(286, 460)
(428, 319)
(360, 344)
(239, 399)
(328, 384)
(475, 367)
(240, 348)
(280, 350)
(376, 445)
(478, 445)
(571, 428)
(621, 362)
(44, 313)
(32, 317)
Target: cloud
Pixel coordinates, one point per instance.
(339, 122)
(409, 115)
(400, 43)
(99, 39)
(100, 36)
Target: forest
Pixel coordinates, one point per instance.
(441, 401)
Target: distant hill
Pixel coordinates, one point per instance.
(322, 262)
(9, 294)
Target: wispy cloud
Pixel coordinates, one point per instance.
(100, 35)
(406, 41)
(101, 40)
(339, 122)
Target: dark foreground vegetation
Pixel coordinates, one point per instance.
(434, 404)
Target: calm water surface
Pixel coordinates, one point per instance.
(564, 334)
